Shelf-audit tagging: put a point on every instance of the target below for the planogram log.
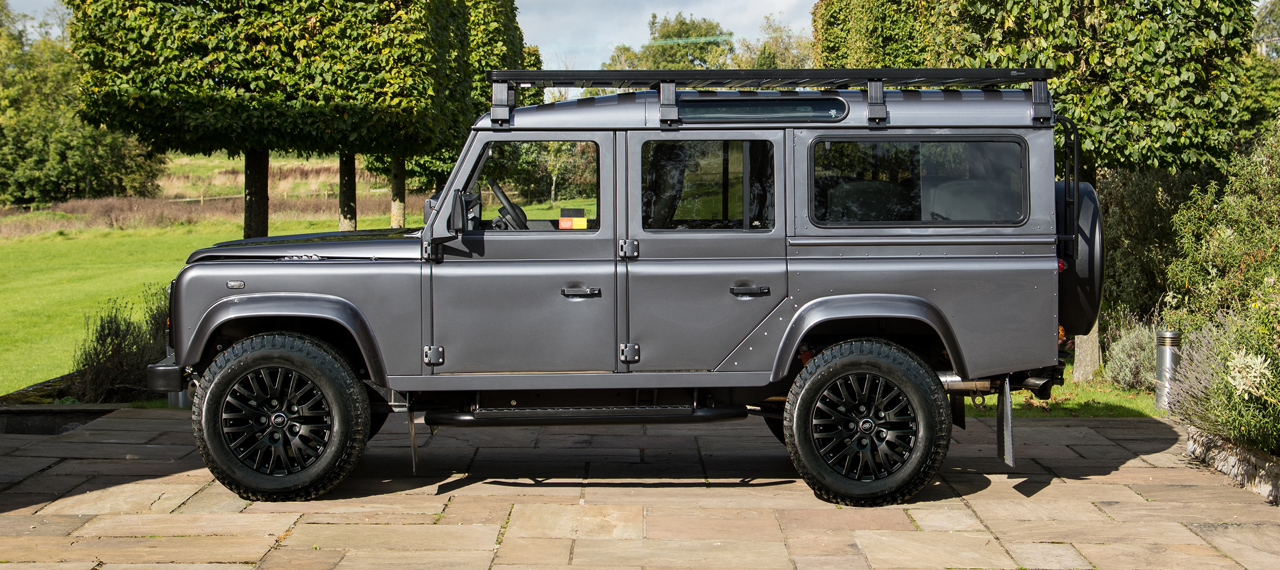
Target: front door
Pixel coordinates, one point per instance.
(531, 284)
(704, 213)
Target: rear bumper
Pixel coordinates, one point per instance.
(165, 376)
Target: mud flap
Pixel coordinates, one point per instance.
(1004, 424)
(957, 410)
(413, 443)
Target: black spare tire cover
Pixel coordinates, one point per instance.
(1080, 283)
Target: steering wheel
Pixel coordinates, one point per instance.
(512, 214)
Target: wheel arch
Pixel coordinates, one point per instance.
(332, 319)
(857, 314)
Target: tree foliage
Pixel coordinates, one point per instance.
(47, 154)
(873, 33)
(778, 47)
(303, 75)
(1152, 83)
(678, 43)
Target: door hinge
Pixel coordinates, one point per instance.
(629, 353)
(433, 355)
(628, 248)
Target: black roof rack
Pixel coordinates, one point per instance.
(667, 81)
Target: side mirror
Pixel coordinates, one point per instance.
(458, 214)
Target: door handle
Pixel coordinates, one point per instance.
(749, 291)
(580, 292)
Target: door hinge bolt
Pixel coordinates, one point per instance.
(628, 248)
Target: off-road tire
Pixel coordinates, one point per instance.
(919, 386)
(330, 374)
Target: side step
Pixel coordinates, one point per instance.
(584, 416)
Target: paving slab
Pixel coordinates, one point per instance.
(1041, 510)
(177, 567)
(148, 498)
(883, 518)
(1206, 494)
(188, 525)
(576, 521)
(37, 525)
(14, 469)
(823, 543)
(897, 549)
(1140, 476)
(1155, 557)
(1254, 546)
(84, 435)
(851, 562)
(681, 553)
(492, 509)
(114, 422)
(437, 560)
(1079, 532)
(381, 537)
(42, 484)
(213, 498)
(187, 549)
(533, 551)
(188, 465)
(52, 566)
(299, 559)
(1192, 512)
(104, 451)
(16, 504)
(394, 503)
(675, 523)
(946, 519)
(1039, 489)
(1047, 556)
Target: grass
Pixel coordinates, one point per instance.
(1075, 399)
(49, 282)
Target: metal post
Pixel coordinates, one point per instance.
(1168, 355)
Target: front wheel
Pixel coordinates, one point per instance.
(280, 417)
(867, 423)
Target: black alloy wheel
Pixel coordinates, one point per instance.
(276, 421)
(280, 417)
(867, 423)
(863, 426)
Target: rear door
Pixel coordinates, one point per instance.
(704, 248)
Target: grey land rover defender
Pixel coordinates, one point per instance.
(848, 262)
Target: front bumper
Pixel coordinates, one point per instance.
(165, 376)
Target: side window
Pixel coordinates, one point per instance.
(706, 185)
(536, 186)
(917, 181)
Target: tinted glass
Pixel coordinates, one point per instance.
(909, 181)
(553, 185)
(763, 110)
(707, 185)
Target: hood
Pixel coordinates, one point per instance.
(369, 244)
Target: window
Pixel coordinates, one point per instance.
(758, 110)
(536, 186)
(706, 185)
(900, 181)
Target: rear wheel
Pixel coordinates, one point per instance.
(280, 417)
(867, 423)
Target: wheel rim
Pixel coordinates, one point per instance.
(276, 421)
(864, 427)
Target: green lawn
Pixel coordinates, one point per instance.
(50, 282)
(1085, 400)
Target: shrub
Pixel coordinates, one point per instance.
(114, 357)
(1226, 386)
(1130, 360)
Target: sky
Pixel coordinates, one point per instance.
(582, 33)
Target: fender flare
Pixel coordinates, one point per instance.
(871, 306)
(302, 305)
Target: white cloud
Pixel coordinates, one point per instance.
(583, 33)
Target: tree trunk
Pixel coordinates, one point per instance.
(397, 191)
(346, 192)
(257, 165)
(1088, 356)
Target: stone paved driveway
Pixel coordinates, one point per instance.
(130, 489)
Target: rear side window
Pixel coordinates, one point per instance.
(707, 185)
(904, 181)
